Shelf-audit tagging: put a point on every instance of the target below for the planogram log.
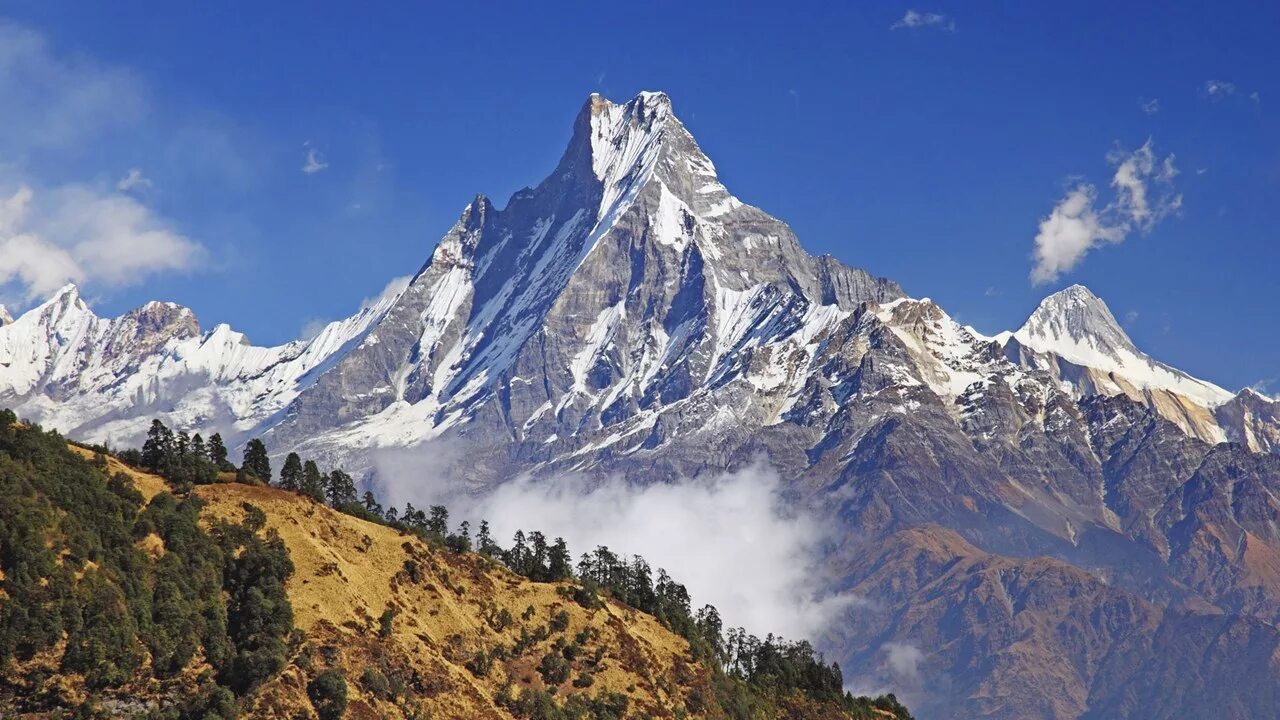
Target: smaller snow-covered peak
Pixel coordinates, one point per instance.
(1076, 324)
(5, 317)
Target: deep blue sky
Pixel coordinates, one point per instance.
(925, 154)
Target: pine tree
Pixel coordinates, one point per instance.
(198, 448)
(559, 561)
(256, 462)
(439, 522)
(157, 451)
(312, 482)
(484, 541)
(371, 504)
(291, 473)
(341, 489)
(218, 453)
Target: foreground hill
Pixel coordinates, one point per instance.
(104, 610)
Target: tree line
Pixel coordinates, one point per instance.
(750, 666)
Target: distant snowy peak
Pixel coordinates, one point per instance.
(1077, 325)
(5, 317)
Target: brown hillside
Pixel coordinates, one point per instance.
(447, 605)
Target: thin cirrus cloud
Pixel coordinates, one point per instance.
(919, 19)
(134, 180)
(314, 162)
(1143, 195)
(54, 231)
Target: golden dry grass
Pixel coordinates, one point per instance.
(348, 571)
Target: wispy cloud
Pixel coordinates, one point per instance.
(134, 180)
(918, 19)
(1143, 196)
(314, 161)
(1150, 107)
(1218, 89)
(1264, 388)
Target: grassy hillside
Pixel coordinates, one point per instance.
(233, 599)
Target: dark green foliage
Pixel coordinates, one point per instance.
(375, 683)
(340, 489)
(291, 473)
(460, 541)
(554, 669)
(72, 568)
(384, 622)
(312, 481)
(559, 621)
(177, 458)
(258, 611)
(328, 694)
(256, 464)
(218, 454)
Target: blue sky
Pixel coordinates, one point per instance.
(928, 152)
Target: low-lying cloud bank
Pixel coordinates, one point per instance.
(731, 539)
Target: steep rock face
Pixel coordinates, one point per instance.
(616, 288)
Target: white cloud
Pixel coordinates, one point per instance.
(1143, 188)
(1150, 107)
(77, 233)
(314, 162)
(394, 287)
(904, 661)
(134, 180)
(917, 19)
(1263, 388)
(731, 539)
(1218, 89)
(1130, 318)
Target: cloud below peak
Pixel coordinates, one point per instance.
(1143, 196)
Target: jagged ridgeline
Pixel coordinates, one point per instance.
(195, 590)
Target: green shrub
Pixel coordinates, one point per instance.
(328, 694)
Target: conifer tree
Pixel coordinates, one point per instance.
(291, 473)
(341, 489)
(439, 522)
(198, 448)
(218, 453)
(371, 504)
(256, 462)
(559, 561)
(312, 482)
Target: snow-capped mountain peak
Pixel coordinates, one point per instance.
(1077, 325)
(5, 317)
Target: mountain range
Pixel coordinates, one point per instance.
(1057, 524)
